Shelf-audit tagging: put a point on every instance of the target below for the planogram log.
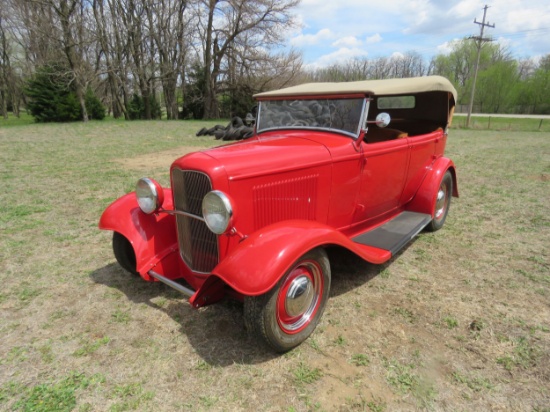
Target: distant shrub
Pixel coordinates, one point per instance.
(193, 99)
(94, 107)
(136, 108)
(52, 98)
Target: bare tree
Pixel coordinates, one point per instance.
(36, 32)
(132, 15)
(249, 68)
(167, 27)
(71, 18)
(28, 38)
(112, 54)
(226, 21)
(5, 68)
(410, 64)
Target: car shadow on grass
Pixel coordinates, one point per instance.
(217, 332)
(350, 272)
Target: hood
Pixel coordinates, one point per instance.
(271, 154)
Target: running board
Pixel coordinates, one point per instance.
(396, 233)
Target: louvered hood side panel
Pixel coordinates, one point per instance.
(294, 198)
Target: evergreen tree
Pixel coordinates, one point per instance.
(52, 98)
(93, 105)
(136, 108)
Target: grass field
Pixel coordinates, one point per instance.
(459, 321)
(507, 124)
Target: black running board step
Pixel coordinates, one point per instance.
(396, 233)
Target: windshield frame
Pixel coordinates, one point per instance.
(292, 99)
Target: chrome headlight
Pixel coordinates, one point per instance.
(217, 211)
(149, 195)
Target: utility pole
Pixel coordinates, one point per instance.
(480, 40)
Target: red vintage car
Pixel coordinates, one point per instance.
(251, 220)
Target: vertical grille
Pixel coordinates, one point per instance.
(198, 245)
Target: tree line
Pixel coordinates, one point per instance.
(143, 59)
(194, 57)
(504, 84)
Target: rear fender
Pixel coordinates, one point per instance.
(153, 237)
(261, 259)
(425, 198)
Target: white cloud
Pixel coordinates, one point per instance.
(424, 26)
(376, 38)
(348, 41)
(312, 39)
(447, 47)
(339, 56)
(464, 9)
(504, 42)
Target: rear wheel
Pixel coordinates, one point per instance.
(442, 203)
(124, 253)
(286, 315)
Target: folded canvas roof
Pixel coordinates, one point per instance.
(387, 87)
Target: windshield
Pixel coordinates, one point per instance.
(340, 115)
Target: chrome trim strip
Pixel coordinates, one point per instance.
(180, 288)
(179, 212)
(320, 129)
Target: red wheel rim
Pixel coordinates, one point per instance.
(299, 297)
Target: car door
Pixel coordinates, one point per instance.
(422, 156)
(383, 175)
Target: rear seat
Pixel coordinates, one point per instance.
(375, 135)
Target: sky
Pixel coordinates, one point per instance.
(332, 31)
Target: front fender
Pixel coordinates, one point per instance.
(425, 198)
(153, 237)
(261, 259)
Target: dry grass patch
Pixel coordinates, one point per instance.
(459, 320)
(155, 160)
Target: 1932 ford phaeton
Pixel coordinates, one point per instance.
(252, 220)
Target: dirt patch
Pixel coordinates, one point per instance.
(156, 160)
(543, 177)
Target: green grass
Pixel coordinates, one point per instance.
(411, 334)
(405, 314)
(120, 316)
(450, 322)
(303, 374)
(401, 376)
(360, 359)
(56, 396)
(503, 123)
(525, 354)
(475, 383)
(23, 120)
(90, 347)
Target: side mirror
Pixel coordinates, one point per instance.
(383, 119)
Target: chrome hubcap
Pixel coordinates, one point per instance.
(299, 296)
(441, 202)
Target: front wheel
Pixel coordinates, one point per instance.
(442, 203)
(124, 253)
(285, 316)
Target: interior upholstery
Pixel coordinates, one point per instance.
(375, 135)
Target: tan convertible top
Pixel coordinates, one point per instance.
(409, 85)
